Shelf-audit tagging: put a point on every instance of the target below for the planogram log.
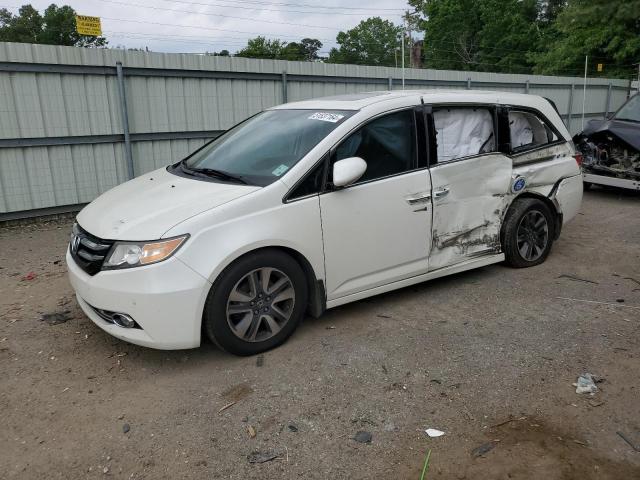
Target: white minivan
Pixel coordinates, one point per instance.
(314, 204)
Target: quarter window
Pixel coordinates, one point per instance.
(528, 131)
(387, 144)
(463, 132)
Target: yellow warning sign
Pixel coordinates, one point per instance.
(600, 67)
(88, 25)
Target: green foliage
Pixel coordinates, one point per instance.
(372, 42)
(486, 35)
(56, 27)
(260, 47)
(606, 30)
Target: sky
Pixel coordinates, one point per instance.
(195, 26)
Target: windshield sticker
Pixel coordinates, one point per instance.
(280, 170)
(327, 117)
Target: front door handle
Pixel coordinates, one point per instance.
(441, 192)
(418, 198)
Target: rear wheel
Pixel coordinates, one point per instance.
(257, 303)
(528, 233)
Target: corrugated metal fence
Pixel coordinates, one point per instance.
(75, 122)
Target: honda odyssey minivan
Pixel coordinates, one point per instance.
(314, 204)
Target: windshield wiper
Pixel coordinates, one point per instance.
(212, 172)
(627, 120)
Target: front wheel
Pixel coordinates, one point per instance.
(528, 233)
(256, 304)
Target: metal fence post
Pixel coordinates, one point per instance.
(128, 154)
(469, 83)
(570, 106)
(608, 104)
(284, 86)
(390, 83)
(526, 86)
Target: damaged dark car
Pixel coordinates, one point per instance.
(611, 148)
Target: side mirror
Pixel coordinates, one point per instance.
(348, 170)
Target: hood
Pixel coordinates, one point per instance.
(626, 131)
(148, 206)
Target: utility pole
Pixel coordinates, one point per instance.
(584, 88)
(404, 28)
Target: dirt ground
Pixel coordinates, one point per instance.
(488, 357)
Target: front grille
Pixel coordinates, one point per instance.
(88, 251)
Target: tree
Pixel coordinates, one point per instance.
(371, 42)
(260, 47)
(606, 30)
(56, 27)
(310, 48)
(489, 35)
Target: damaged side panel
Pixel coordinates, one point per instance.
(467, 220)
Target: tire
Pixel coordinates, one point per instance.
(586, 186)
(528, 229)
(243, 317)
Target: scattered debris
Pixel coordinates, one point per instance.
(586, 384)
(126, 428)
(509, 420)
(595, 403)
(596, 302)
(56, 318)
(435, 380)
(260, 361)
(383, 316)
(580, 442)
(433, 433)
(228, 405)
(261, 457)
(620, 300)
(483, 449)
(29, 276)
(629, 442)
(363, 437)
(292, 428)
(384, 368)
(251, 431)
(105, 470)
(330, 327)
(577, 279)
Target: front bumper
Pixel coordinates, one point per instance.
(165, 299)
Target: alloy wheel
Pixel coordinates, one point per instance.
(532, 235)
(260, 304)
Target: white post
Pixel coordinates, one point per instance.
(584, 89)
(402, 40)
(638, 86)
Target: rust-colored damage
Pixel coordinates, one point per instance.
(464, 240)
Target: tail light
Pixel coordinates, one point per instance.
(578, 157)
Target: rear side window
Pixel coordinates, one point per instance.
(387, 144)
(463, 132)
(528, 131)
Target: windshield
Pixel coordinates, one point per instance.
(630, 111)
(263, 148)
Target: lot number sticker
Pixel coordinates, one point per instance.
(280, 170)
(326, 117)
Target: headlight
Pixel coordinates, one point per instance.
(135, 254)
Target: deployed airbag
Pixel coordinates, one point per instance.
(462, 132)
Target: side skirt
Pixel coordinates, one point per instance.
(442, 272)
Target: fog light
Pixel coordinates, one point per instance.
(123, 320)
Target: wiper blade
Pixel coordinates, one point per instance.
(212, 172)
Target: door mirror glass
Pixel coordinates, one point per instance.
(348, 170)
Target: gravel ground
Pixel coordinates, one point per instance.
(487, 356)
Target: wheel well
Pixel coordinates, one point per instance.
(317, 297)
(557, 226)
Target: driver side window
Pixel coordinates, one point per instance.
(387, 144)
